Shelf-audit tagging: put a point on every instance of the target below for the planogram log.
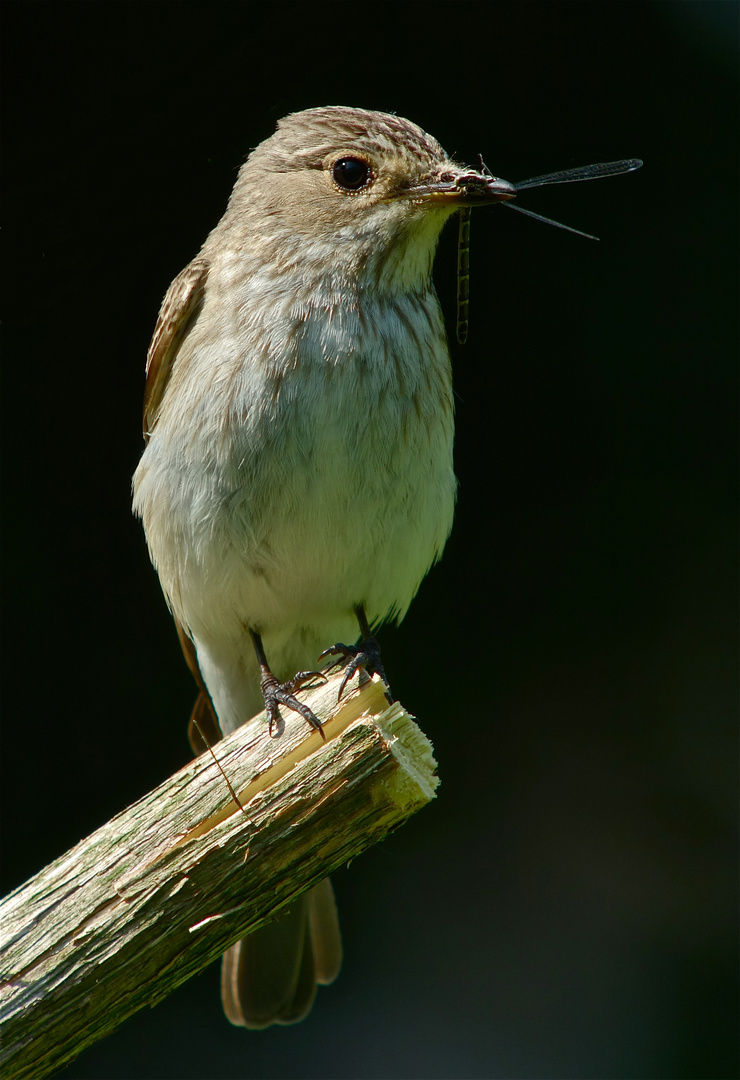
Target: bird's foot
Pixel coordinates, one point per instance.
(276, 693)
(363, 657)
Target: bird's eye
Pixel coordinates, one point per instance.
(350, 173)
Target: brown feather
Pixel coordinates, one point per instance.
(177, 314)
(179, 309)
(203, 713)
(271, 977)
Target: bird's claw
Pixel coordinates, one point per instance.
(276, 693)
(363, 657)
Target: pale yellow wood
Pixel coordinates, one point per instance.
(163, 888)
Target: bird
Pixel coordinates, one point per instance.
(297, 479)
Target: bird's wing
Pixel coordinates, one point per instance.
(177, 314)
(203, 717)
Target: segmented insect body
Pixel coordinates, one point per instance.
(473, 182)
(463, 275)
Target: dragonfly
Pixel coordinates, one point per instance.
(484, 182)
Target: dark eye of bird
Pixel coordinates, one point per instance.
(350, 173)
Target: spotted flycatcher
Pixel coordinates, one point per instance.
(297, 478)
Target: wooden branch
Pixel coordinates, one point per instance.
(163, 888)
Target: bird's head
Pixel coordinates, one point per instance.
(364, 193)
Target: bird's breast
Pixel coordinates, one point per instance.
(319, 474)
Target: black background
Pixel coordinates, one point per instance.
(566, 908)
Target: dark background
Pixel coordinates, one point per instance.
(567, 906)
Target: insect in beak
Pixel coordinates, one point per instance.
(482, 187)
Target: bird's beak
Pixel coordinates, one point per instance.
(462, 187)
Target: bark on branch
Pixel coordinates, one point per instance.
(163, 888)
